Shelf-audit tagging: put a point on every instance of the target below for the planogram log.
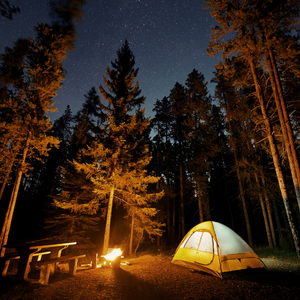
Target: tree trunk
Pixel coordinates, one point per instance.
(285, 114)
(168, 206)
(283, 124)
(241, 190)
(269, 210)
(245, 210)
(108, 222)
(275, 159)
(227, 199)
(131, 234)
(199, 203)
(72, 226)
(158, 217)
(277, 220)
(5, 180)
(168, 217)
(173, 219)
(181, 202)
(139, 241)
(5, 223)
(263, 210)
(158, 237)
(259, 191)
(13, 199)
(174, 213)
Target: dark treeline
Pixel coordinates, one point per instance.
(106, 170)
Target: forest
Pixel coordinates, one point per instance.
(107, 175)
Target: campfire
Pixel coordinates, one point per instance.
(113, 255)
(113, 258)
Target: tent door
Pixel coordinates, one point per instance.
(205, 251)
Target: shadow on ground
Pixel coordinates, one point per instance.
(263, 276)
(129, 286)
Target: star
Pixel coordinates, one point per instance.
(168, 38)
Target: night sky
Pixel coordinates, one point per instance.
(169, 39)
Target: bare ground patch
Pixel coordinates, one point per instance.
(154, 277)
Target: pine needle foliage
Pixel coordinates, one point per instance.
(30, 74)
(112, 163)
(75, 206)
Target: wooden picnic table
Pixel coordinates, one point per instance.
(28, 250)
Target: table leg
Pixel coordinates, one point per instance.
(24, 263)
(56, 252)
(45, 274)
(4, 267)
(94, 260)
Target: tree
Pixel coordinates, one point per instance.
(39, 75)
(117, 178)
(66, 14)
(115, 162)
(126, 118)
(74, 193)
(7, 10)
(124, 95)
(43, 178)
(30, 75)
(93, 110)
(177, 99)
(201, 136)
(235, 17)
(228, 100)
(162, 149)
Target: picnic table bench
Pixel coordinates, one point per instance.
(47, 265)
(30, 256)
(5, 260)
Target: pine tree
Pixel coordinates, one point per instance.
(74, 190)
(66, 14)
(114, 164)
(117, 177)
(126, 118)
(31, 72)
(93, 110)
(7, 10)
(245, 124)
(202, 139)
(74, 198)
(162, 150)
(124, 95)
(34, 75)
(177, 98)
(244, 20)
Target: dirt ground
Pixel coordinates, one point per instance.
(154, 277)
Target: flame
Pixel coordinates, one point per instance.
(113, 255)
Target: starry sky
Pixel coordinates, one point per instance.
(169, 39)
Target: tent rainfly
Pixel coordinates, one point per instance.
(216, 249)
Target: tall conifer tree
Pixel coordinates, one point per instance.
(199, 132)
(116, 162)
(177, 98)
(30, 75)
(34, 76)
(126, 119)
(248, 24)
(74, 195)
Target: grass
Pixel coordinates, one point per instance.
(261, 250)
(281, 254)
(152, 249)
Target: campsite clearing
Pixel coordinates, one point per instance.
(155, 277)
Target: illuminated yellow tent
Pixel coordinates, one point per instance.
(214, 248)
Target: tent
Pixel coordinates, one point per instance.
(214, 248)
